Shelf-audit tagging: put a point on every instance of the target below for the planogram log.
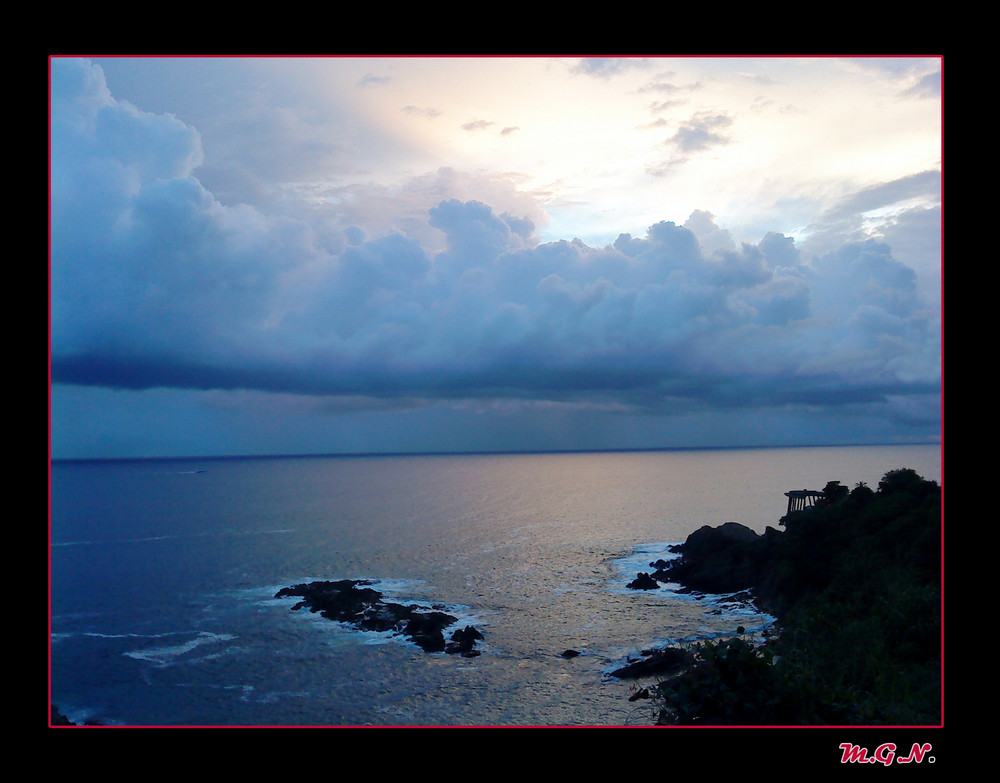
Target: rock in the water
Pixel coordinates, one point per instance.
(344, 600)
(427, 630)
(353, 602)
(643, 581)
(463, 641)
(664, 662)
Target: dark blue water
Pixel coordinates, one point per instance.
(163, 575)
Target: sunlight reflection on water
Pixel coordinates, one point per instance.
(533, 549)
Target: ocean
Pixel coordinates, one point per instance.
(163, 577)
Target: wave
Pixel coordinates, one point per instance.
(167, 656)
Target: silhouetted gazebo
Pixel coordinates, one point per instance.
(801, 499)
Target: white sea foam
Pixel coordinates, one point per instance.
(730, 605)
(638, 561)
(166, 656)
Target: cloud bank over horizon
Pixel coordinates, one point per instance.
(439, 293)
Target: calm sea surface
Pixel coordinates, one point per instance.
(163, 575)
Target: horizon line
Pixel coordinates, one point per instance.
(488, 452)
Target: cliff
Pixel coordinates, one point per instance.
(855, 583)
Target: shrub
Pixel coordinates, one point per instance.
(855, 583)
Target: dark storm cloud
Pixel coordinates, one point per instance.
(157, 284)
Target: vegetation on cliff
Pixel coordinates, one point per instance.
(856, 586)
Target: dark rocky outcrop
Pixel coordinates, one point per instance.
(725, 559)
(729, 559)
(355, 603)
(643, 581)
(463, 642)
(57, 718)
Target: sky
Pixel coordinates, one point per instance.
(320, 255)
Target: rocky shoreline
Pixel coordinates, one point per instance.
(854, 585)
(726, 560)
(730, 558)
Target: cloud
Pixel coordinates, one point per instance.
(929, 86)
(699, 134)
(606, 67)
(924, 185)
(421, 111)
(158, 284)
(879, 211)
(476, 125)
(370, 79)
